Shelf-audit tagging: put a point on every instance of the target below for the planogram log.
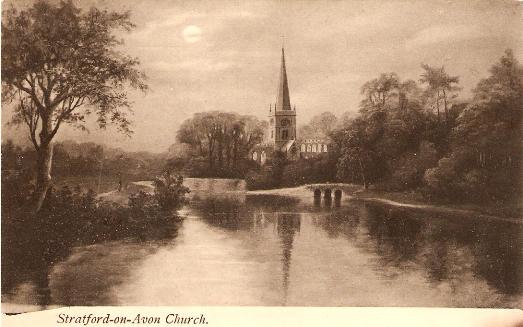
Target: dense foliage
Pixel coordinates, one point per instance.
(407, 137)
(411, 136)
(216, 144)
(89, 165)
(71, 215)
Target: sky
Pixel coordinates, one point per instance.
(225, 55)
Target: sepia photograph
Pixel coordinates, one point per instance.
(261, 154)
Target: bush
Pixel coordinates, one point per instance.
(72, 216)
(408, 170)
(442, 181)
(169, 191)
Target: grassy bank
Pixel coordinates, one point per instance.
(510, 211)
(505, 211)
(94, 183)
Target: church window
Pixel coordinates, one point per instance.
(263, 157)
(272, 134)
(309, 148)
(303, 148)
(254, 156)
(314, 148)
(272, 121)
(284, 122)
(325, 148)
(284, 134)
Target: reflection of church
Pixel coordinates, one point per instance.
(281, 135)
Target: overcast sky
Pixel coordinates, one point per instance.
(225, 55)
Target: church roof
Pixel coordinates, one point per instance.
(283, 101)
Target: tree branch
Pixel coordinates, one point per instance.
(72, 105)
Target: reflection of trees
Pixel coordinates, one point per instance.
(29, 258)
(446, 246)
(257, 213)
(497, 249)
(397, 238)
(30, 252)
(227, 213)
(232, 214)
(343, 222)
(270, 202)
(287, 225)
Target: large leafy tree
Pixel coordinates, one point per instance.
(60, 64)
(358, 159)
(221, 136)
(320, 126)
(486, 143)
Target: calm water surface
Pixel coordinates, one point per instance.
(238, 249)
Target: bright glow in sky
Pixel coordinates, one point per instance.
(225, 55)
(192, 34)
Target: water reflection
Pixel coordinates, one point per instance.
(41, 268)
(277, 250)
(444, 247)
(288, 225)
(26, 264)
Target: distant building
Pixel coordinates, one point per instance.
(281, 135)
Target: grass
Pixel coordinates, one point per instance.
(103, 185)
(508, 210)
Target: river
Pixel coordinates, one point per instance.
(235, 248)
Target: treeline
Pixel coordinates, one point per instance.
(216, 144)
(416, 136)
(84, 160)
(411, 135)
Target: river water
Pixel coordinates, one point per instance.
(234, 248)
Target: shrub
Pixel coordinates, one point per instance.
(169, 191)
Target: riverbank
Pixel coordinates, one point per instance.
(414, 200)
(411, 200)
(406, 200)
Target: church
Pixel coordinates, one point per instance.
(281, 135)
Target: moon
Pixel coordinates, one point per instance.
(192, 33)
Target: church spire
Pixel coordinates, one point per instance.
(283, 101)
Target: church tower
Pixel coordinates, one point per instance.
(282, 118)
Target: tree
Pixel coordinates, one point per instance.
(222, 137)
(440, 86)
(386, 136)
(377, 93)
(59, 65)
(486, 143)
(358, 161)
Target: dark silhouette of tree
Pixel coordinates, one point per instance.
(485, 162)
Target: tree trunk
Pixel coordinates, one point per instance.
(43, 174)
(210, 152)
(437, 104)
(365, 186)
(220, 153)
(445, 107)
(234, 154)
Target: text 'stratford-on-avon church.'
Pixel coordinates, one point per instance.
(281, 135)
